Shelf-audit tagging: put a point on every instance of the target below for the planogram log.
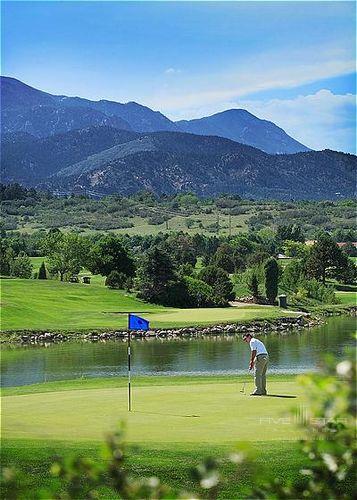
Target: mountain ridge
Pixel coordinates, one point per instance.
(41, 113)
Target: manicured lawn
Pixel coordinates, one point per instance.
(347, 298)
(176, 423)
(206, 412)
(50, 304)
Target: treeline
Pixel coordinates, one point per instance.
(181, 270)
(227, 214)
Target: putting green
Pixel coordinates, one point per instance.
(191, 413)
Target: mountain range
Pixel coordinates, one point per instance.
(25, 109)
(74, 144)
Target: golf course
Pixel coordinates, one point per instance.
(175, 423)
(53, 304)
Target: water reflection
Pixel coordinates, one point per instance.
(294, 353)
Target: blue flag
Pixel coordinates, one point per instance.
(137, 323)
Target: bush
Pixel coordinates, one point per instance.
(313, 289)
(157, 219)
(21, 266)
(199, 293)
(116, 279)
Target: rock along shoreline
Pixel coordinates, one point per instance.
(281, 325)
(257, 327)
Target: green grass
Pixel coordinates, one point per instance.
(347, 298)
(176, 423)
(36, 262)
(51, 304)
(168, 413)
(172, 465)
(121, 381)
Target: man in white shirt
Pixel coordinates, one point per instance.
(259, 360)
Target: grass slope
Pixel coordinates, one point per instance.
(49, 304)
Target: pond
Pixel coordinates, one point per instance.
(297, 352)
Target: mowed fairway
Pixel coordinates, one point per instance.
(50, 304)
(205, 412)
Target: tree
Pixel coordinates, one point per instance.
(291, 232)
(156, 277)
(295, 249)
(116, 279)
(224, 258)
(42, 273)
(324, 255)
(253, 285)
(293, 274)
(66, 252)
(6, 257)
(271, 270)
(109, 254)
(21, 266)
(347, 274)
(181, 248)
(200, 294)
(219, 280)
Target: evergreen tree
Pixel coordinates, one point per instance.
(42, 273)
(219, 280)
(271, 270)
(157, 278)
(253, 285)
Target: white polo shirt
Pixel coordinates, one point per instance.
(257, 345)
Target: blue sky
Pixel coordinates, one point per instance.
(289, 62)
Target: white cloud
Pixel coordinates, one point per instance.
(172, 71)
(321, 120)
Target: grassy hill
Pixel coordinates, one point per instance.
(145, 214)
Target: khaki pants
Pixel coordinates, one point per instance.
(260, 369)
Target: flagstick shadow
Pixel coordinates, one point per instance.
(166, 414)
(280, 396)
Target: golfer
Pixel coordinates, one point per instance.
(259, 360)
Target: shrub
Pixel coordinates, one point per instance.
(116, 279)
(42, 273)
(21, 266)
(253, 285)
(200, 294)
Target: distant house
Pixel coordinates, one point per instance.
(342, 244)
(282, 256)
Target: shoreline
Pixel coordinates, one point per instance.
(280, 325)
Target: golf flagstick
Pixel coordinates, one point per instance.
(134, 323)
(129, 372)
